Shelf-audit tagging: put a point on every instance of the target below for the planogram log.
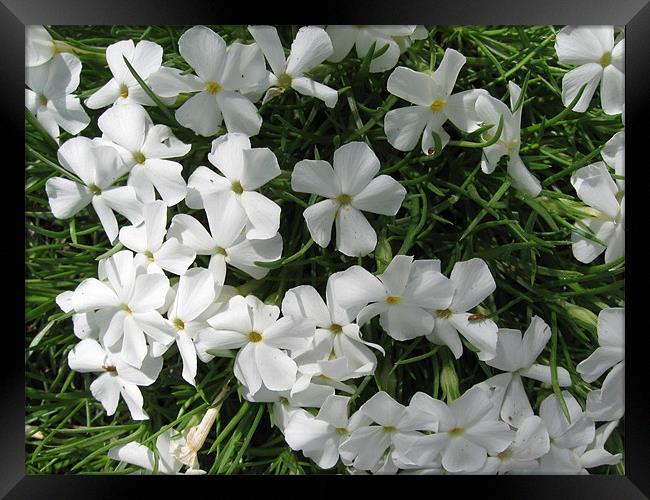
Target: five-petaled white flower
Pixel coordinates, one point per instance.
(595, 187)
(362, 37)
(98, 167)
(491, 111)
(337, 335)
(466, 432)
(319, 437)
(244, 170)
(162, 461)
(518, 355)
(145, 57)
(568, 439)
(472, 283)
(367, 444)
(253, 327)
(599, 59)
(221, 72)
(351, 187)
(195, 295)
(117, 376)
(310, 48)
(146, 149)
(530, 443)
(147, 238)
(402, 295)
(49, 96)
(127, 304)
(226, 241)
(434, 105)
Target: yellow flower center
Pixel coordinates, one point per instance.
(341, 431)
(254, 336)
(444, 313)
(110, 369)
(139, 157)
(437, 105)
(95, 189)
(389, 428)
(237, 187)
(42, 99)
(606, 60)
(221, 251)
(179, 324)
(504, 454)
(284, 81)
(148, 255)
(456, 431)
(283, 401)
(344, 199)
(392, 300)
(212, 87)
(334, 328)
(124, 91)
(126, 309)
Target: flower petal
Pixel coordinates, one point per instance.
(354, 235)
(311, 47)
(383, 195)
(315, 176)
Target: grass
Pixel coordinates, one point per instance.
(452, 212)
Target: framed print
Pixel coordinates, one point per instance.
(307, 247)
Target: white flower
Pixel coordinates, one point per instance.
(434, 105)
(123, 88)
(127, 303)
(465, 434)
(146, 149)
(611, 341)
(337, 335)
(401, 295)
(49, 96)
(220, 73)
(472, 283)
(530, 443)
(195, 294)
(351, 187)
(146, 240)
(254, 328)
(490, 111)
(310, 48)
(98, 167)
(595, 453)
(39, 46)
(599, 58)
(518, 355)
(244, 170)
(614, 155)
(608, 402)
(141, 456)
(595, 187)
(568, 439)
(226, 241)
(319, 437)
(117, 376)
(362, 37)
(367, 444)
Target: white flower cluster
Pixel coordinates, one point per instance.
(299, 355)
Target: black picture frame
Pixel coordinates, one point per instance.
(633, 14)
